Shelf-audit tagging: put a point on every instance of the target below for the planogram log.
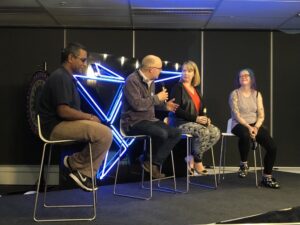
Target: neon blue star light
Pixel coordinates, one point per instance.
(102, 76)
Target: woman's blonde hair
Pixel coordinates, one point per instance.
(193, 66)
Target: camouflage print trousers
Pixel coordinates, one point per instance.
(203, 138)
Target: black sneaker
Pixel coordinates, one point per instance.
(243, 171)
(82, 181)
(270, 182)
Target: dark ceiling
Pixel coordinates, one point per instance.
(149, 14)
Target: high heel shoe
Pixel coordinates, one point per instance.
(190, 164)
(200, 172)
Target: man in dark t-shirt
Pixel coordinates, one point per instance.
(61, 117)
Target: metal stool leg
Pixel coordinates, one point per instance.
(38, 184)
(255, 169)
(214, 167)
(161, 188)
(255, 164)
(261, 163)
(93, 184)
(147, 197)
(221, 160)
(61, 206)
(188, 152)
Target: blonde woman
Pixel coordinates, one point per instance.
(191, 117)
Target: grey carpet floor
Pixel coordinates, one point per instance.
(234, 198)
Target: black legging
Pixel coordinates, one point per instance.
(263, 138)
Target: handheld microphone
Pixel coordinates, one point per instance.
(205, 114)
(163, 88)
(254, 144)
(162, 85)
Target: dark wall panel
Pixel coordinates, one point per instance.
(116, 42)
(24, 51)
(225, 53)
(174, 46)
(286, 97)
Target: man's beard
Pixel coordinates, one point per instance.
(79, 71)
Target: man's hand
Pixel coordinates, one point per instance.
(163, 95)
(95, 119)
(171, 106)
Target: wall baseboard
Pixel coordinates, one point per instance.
(26, 174)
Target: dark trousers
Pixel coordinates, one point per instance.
(164, 138)
(263, 138)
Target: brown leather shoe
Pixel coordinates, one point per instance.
(156, 174)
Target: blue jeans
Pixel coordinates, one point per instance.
(164, 138)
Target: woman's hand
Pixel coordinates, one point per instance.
(252, 131)
(202, 120)
(208, 121)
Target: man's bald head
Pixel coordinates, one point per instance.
(151, 61)
(151, 66)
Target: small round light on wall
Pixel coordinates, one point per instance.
(137, 64)
(176, 66)
(105, 56)
(122, 60)
(166, 63)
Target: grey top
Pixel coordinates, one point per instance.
(246, 107)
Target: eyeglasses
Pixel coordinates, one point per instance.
(83, 60)
(158, 68)
(244, 76)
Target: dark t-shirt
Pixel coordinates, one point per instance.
(59, 89)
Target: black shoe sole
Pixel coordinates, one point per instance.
(80, 184)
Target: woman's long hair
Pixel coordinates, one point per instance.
(192, 65)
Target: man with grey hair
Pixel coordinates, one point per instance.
(138, 113)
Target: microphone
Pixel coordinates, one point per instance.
(204, 112)
(254, 144)
(163, 88)
(162, 85)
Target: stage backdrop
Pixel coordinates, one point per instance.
(224, 52)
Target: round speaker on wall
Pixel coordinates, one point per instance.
(33, 94)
